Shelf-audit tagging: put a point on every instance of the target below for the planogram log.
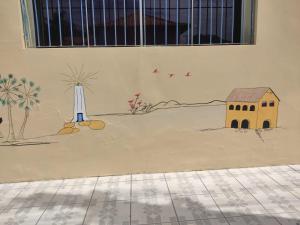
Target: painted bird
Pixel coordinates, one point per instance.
(155, 71)
(188, 74)
(171, 75)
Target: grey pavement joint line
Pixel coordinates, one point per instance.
(171, 200)
(257, 199)
(11, 201)
(282, 185)
(90, 200)
(49, 203)
(213, 198)
(293, 168)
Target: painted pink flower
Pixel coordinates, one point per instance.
(137, 94)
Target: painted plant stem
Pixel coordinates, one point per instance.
(28, 97)
(1, 120)
(11, 132)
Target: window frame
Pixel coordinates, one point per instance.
(249, 13)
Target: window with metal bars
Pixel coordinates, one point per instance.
(82, 23)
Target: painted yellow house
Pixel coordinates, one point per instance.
(252, 108)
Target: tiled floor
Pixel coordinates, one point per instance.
(250, 196)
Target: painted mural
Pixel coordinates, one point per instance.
(252, 108)
(78, 80)
(18, 94)
(246, 108)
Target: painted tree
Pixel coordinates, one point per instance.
(28, 97)
(9, 95)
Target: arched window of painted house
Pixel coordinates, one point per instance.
(231, 107)
(264, 104)
(272, 104)
(238, 108)
(252, 108)
(245, 108)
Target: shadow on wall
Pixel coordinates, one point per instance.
(109, 210)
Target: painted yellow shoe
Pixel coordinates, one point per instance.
(97, 124)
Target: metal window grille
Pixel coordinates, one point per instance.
(89, 23)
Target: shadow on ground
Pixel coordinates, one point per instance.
(156, 210)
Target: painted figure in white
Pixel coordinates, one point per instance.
(79, 104)
(79, 81)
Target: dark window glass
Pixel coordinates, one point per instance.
(245, 124)
(264, 104)
(86, 22)
(252, 108)
(272, 104)
(266, 124)
(234, 124)
(245, 108)
(238, 108)
(231, 107)
(164, 22)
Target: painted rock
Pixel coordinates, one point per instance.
(97, 125)
(69, 125)
(68, 130)
(76, 130)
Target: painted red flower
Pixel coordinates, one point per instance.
(188, 74)
(155, 71)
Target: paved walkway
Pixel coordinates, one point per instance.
(251, 196)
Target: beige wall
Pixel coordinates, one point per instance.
(273, 62)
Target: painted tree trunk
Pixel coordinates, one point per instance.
(11, 133)
(22, 129)
(79, 105)
(1, 120)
